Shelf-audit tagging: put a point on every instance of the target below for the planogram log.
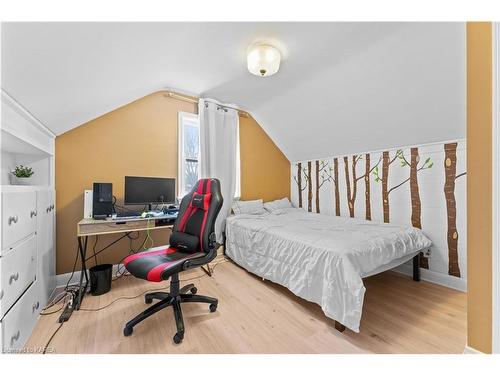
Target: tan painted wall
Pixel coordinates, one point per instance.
(141, 139)
(265, 171)
(479, 198)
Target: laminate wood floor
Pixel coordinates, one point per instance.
(255, 316)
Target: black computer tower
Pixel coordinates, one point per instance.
(102, 202)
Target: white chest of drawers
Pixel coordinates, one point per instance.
(27, 260)
(27, 224)
(18, 217)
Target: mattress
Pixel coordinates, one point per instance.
(320, 258)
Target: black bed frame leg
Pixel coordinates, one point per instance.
(339, 326)
(416, 267)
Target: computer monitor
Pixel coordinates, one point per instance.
(149, 190)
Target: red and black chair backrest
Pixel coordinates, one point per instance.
(194, 228)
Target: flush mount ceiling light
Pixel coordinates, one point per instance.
(263, 60)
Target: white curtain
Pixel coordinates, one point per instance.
(219, 153)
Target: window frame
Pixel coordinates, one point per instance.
(182, 117)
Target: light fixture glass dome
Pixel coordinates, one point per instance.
(263, 60)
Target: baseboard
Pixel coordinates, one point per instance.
(469, 350)
(62, 279)
(435, 277)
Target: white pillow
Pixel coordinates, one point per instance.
(277, 204)
(282, 211)
(255, 207)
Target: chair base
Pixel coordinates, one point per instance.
(174, 298)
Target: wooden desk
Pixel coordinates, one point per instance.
(92, 227)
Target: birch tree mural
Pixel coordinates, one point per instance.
(298, 181)
(368, 204)
(335, 179)
(386, 162)
(450, 167)
(383, 173)
(321, 178)
(351, 193)
(366, 176)
(309, 187)
(416, 205)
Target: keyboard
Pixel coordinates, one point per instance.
(128, 214)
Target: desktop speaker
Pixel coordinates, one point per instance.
(102, 199)
(87, 204)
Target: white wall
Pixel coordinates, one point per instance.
(407, 88)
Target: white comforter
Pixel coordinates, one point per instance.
(320, 258)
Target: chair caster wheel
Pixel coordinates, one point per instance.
(178, 337)
(213, 307)
(148, 300)
(194, 290)
(127, 331)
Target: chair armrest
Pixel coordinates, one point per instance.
(197, 262)
(207, 258)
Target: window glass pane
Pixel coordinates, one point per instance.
(191, 141)
(190, 174)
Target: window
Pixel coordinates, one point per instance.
(189, 151)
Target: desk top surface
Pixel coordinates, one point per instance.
(120, 220)
(91, 227)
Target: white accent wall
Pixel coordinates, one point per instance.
(431, 185)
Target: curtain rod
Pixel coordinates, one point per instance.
(194, 100)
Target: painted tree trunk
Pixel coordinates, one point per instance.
(336, 182)
(354, 185)
(416, 207)
(450, 169)
(317, 186)
(309, 187)
(299, 182)
(348, 186)
(385, 191)
(368, 207)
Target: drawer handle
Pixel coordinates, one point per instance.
(13, 277)
(15, 338)
(47, 209)
(13, 219)
(52, 206)
(36, 306)
(33, 213)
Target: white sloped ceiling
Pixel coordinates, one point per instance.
(342, 87)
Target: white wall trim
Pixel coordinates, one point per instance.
(469, 350)
(496, 191)
(442, 279)
(26, 114)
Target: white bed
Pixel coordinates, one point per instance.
(320, 258)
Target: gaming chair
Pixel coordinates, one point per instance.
(192, 244)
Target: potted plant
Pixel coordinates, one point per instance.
(21, 175)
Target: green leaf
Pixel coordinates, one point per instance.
(430, 165)
(427, 160)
